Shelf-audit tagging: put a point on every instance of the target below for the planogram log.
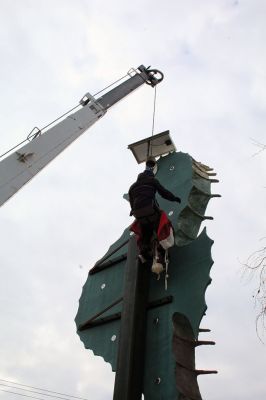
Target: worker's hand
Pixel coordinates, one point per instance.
(178, 200)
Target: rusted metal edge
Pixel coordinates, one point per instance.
(199, 172)
(92, 322)
(196, 342)
(201, 165)
(204, 193)
(186, 235)
(202, 168)
(107, 264)
(198, 371)
(205, 343)
(204, 330)
(202, 217)
(101, 321)
(186, 381)
(160, 302)
(100, 262)
(199, 175)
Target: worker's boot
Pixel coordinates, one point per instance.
(145, 255)
(160, 255)
(142, 258)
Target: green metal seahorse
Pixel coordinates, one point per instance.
(172, 330)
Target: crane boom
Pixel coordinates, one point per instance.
(22, 165)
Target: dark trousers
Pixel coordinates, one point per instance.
(148, 226)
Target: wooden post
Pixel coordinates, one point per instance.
(131, 352)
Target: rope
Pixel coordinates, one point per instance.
(154, 109)
(166, 259)
(107, 87)
(61, 116)
(149, 151)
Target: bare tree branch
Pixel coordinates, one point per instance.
(258, 144)
(256, 267)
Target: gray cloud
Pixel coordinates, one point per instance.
(212, 100)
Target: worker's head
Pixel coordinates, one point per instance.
(150, 163)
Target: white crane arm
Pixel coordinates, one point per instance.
(22, 165)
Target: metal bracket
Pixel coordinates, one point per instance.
(94, 104)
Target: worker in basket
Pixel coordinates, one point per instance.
(150, 219)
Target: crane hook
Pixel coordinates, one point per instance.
(153, 80)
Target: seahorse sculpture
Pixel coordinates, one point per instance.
(173, 329)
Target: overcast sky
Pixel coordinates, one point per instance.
(213, 101)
